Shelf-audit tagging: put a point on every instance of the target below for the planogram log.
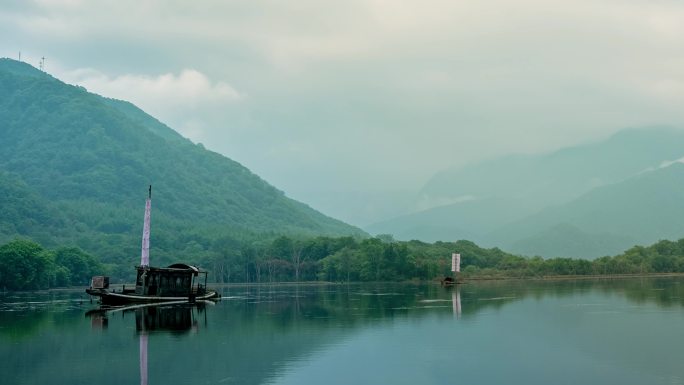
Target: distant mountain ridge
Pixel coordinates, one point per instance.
(528, 204)
(639, 210)
(88, 160)
(564, 174)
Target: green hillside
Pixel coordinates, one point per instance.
(25, 213)
(77, 166)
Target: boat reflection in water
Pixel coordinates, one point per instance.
(178, 318)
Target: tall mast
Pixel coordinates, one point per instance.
(145, 255)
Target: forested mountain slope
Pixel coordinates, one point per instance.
(82, 164)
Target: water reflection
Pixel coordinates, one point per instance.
(176, 318)
(283, 334)
(159, 318)
(143, 359)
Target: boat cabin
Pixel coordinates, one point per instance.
(177, 280)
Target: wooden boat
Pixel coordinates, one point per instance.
(178, 282)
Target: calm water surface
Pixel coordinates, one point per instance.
(628, 331)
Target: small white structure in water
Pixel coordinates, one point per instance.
(456, 262)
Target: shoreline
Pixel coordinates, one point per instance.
(576, 277)
(414, 282)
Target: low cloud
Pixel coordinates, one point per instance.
(189, 86)
(177, 99)
(671, 162)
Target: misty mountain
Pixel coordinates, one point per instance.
(607, 220)
(74, 159)
(492, 199)
(540, 180)
(465, 220)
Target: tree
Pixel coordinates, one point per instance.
(372, 252)
(296, 258)
(80, 266)
(225, 250)
(25, 265)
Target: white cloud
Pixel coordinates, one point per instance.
(671, 162)
(662, 165)
(189, 86)
(177, 99)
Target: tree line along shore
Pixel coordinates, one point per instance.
(26, 265)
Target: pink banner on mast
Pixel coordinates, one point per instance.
(145, 255)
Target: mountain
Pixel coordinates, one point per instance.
(24, 212)
(640, 210)
(489, 202)
(566, 240)
(470, 219)
(562, 175)
(77, 166)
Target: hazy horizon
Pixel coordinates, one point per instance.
(351, 107)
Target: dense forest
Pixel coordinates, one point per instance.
(26, 265)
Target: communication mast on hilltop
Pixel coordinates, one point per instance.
(19, 55)
(42, 64)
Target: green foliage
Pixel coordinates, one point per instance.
(375, 259)
(26, 265)
(77, 267)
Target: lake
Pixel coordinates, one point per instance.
(622, 331)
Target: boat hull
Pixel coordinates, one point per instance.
(112, 298)
(449, 281)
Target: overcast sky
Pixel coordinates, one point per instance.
(341, 102)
